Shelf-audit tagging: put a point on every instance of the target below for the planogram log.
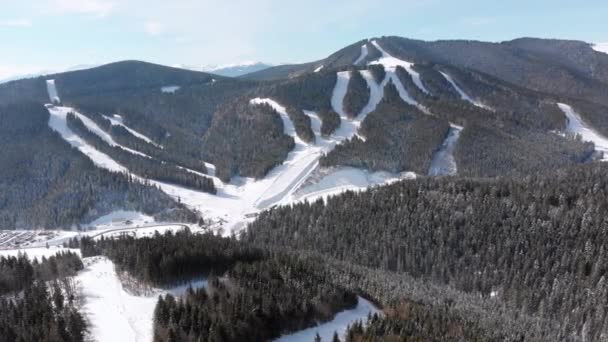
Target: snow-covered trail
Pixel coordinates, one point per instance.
(443, 163)
(115, 314)
(391, 63)
(338, 324)
(57, 122)
(52, 91)
(461, 92)
(576, 125)
(363, 55)
(118, 122)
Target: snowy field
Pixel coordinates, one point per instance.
(576, 125)
(338, 324)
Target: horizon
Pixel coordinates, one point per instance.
(214, 33)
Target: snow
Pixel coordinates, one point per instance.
(170, 89)
(115, 314)
(461, 92)
(600, 47)
(319, 68)
(576, 125)
(339, 324)
(343, 179)
(362, 56)
(117, 120)
(120, 217)
(391, 63)
(37, 252)
(52, 90)
(57, 121)
(443, 163)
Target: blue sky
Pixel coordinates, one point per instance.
(56, 34)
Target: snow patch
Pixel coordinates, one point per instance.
(319, 68)
(443, 163)
(391, 63)
(576, 125)
(339, 324)
(170, 89)
(120, 217)
(52, 90)
(363, 55)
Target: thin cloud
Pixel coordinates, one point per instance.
(153, 28)
(99, 8)
(17, 23)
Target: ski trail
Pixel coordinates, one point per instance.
(288, 127)
(390, 62)
(576, 125)
(52, 91)
(461, 92)
(319, 68)
(119, 122)
(443, 163)
(339, 324)
(363, 55)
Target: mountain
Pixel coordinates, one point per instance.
(46, 72)
(236, 70)
(377, 110)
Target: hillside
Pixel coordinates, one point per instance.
(377, 110)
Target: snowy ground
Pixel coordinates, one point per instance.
(114, 313)
(319, 68)
(576, 125)
(461, 92)
(170, 89)
(443, 163)
(363, 55)
(338, 324)
(601, 47)
(391, 63)
(116, 120)
(52, 90)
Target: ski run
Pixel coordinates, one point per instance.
(577, 126)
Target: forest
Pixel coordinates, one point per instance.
(45, 183)
(45, 308)
(535, 243)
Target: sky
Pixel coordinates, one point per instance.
(53, 35)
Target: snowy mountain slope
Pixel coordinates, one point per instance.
(52, 90)
(389, 62)
(443, 163)
(116, 120)
(235, 70)
(600, 47)
(576, 125)
(461, 92)
(363, 55)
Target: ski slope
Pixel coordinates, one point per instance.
(363, 55)
(339, 324)
(319, 68)
(443, 162)
(115, 314)
(461, 92)
(576, 125)
(116, 120)
(170, 89)
(52, 90)
(391, 63)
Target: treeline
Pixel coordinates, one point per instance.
(171, 258)
(246, 140)
(45, 183)
(257, 301)
(140, 165)
(534, 243)
(18, 272)
(357, 95)
(398, 137)
(43, 305)
(330, 121)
